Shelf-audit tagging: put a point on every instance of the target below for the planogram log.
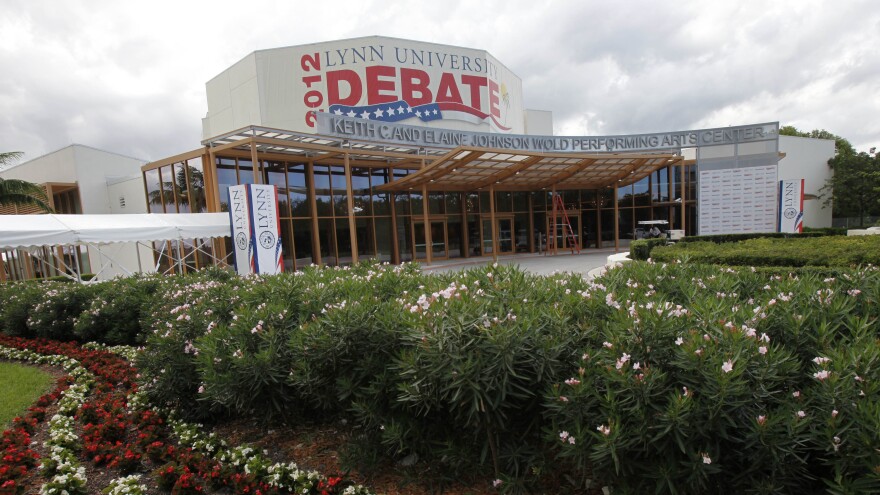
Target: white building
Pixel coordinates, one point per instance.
(79, 179)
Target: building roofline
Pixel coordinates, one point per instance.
(71, 146)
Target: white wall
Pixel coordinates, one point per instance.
(807, 158)
(538, 122)
(270, 87)
(93, 167)
(56, 166)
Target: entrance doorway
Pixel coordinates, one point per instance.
(505, 232)
(561, 232)
(439, 243)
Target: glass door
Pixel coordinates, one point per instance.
(438, 239)
(505, 235)
(563, 240)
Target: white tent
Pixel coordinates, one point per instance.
(33, 231)
(49, 230)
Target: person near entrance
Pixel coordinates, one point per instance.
(654, 232)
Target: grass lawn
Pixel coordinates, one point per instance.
(20, 386)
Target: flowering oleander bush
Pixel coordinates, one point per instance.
(678, 378)
(115, 311)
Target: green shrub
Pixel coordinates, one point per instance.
(641, 249)
(725, 238)
(19, 299)
(115, 312)
(829, 251)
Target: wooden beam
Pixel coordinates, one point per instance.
(616, 221)
(492, 221)
(429, 246)
(510, 171)
(352, 224)
(310, 188)
(683, 189)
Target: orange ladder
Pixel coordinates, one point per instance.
(569, 233)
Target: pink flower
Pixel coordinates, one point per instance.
(727, 367)
(762, 350)
(497, 483)
(762, 419)
(834, 413)
(622, 360)
(605, 430)
(706, 458)
(821, 375)
(572, 382)
(801, 414)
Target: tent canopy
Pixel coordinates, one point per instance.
(18, 231)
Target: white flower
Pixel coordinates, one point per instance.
(834, 413)
(622, 360)
(796, 394)
(679, 341)
(571, 440)
(607, 345)
(637, 366)
(762, 350)
(727, 367)
(801, 414)
(706, 458)
(605, 430)
(496, 483)
(572, 381)
(563, 435)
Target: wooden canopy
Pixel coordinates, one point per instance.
(471, 169)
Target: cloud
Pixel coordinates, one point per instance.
(131, 77)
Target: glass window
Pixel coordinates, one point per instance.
(520, 201)
(436, 203)
(504, 201)
(415, 202)
(366, 239)
(340, 191)
(154, 191)
(571, 199)
(225, 179)
(167, 175)
(180, 186)
(245, 172)
(343, 241)
(660, 185)
(453, 203)
(384, 248)
(485, 207)
(274, 174)
(360, 189)
(641, 192)
(401, 203)
(302, 242)
(472, 202)
(323, 192)
(297, 191)
(326, 237)
(287, 252)
(379, 176)
(196, 185)
(588, 199)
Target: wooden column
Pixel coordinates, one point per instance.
(552, 222)
(258, 179)
(429, 246)
(310, 187)
(392, 200)
(616, 221)
(531, 233)
(683, 189)
(465, 242)
(492, 221)
(349, 204)
(3, 268)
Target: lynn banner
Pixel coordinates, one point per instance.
(256, 229)
(791, 205)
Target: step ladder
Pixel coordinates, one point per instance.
(568, 232)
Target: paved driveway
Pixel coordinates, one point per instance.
(535, 263)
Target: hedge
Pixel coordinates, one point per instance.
(664, 378)
(827, 251)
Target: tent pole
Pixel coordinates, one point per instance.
(78, 268)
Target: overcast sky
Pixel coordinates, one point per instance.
(130, 77)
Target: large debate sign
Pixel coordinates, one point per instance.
(791, 205)
(256, 229)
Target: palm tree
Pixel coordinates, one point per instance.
(19, 192)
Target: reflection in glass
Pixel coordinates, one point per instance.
(340, 191)
(378, 177)
(302, 243)
(274, 174)
(323, 192)
(196, 185)
(365, 239)
(154, 191)
(360, 189)
(245, 172)
(384, 240)
(225, 178)
(298, 191)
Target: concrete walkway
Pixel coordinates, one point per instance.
(585, 262)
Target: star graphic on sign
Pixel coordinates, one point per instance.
(365, 115)
(434, 112)
(351, 113)
(418, 113)
(400, 109)
(390, 111)
(379, 112)
(408, 109)
(337, 111)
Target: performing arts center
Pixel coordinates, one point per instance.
(402, 150)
